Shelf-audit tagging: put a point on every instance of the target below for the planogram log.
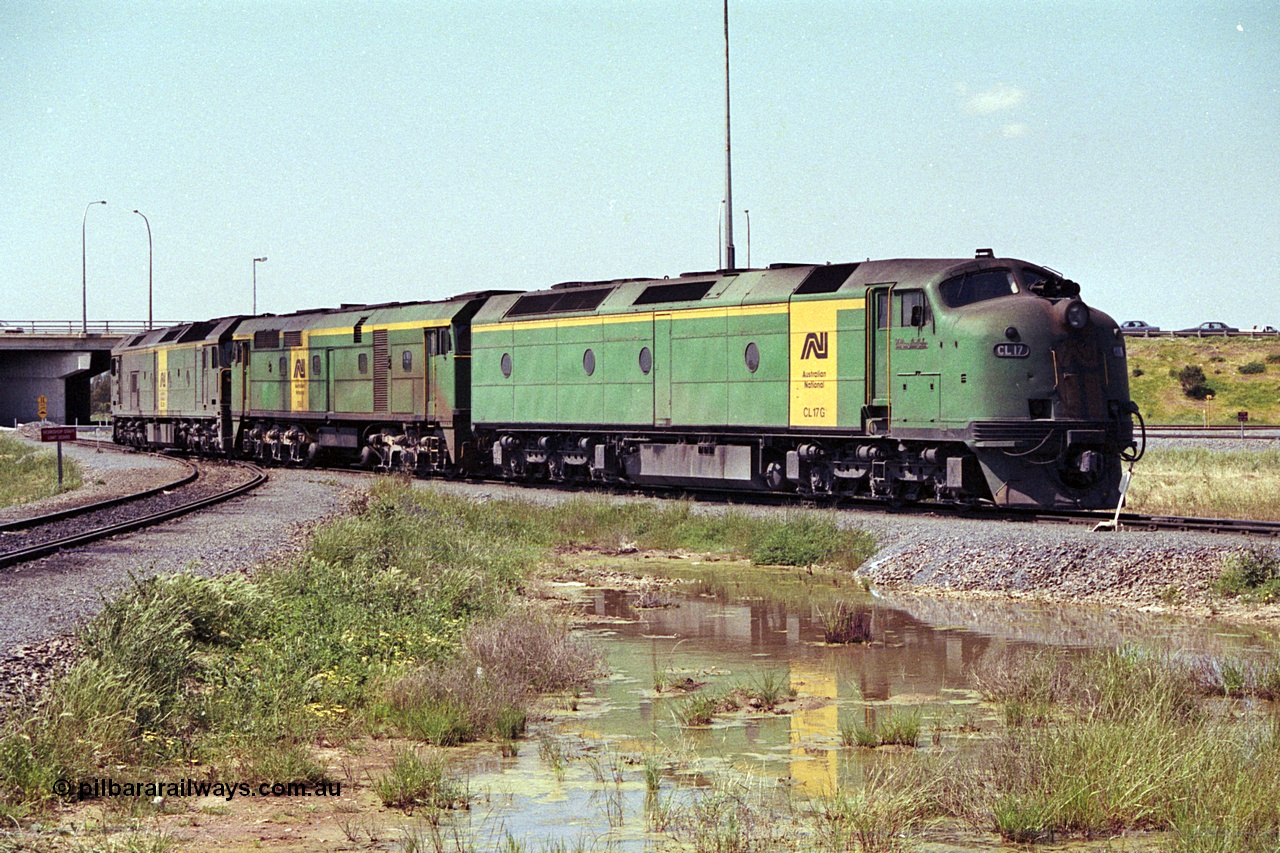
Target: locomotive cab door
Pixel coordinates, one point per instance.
(904, 387)
(436, 345)
(328, 380)
(879, 350)
(661, 370)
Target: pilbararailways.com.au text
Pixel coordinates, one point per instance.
(95, 789)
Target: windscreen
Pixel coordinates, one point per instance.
(977, 287)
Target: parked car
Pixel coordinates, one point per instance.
(1210, 329)
(1137, 327)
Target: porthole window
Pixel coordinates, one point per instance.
(406, 360)
(646, 360)
(506, 364)
(589, 362)
(752, 357)
(362, 362)
(284, 365)
(315, 365)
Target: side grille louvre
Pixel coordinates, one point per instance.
(381, 352)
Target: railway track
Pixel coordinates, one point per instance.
(202, 486)
(1263, 432)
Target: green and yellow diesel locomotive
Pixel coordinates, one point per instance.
(962, 380)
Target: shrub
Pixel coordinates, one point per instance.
(486, 690)
(1254, 572)
(1252, 368)
(1138, 371)
(1273, 358)
(1200, 391)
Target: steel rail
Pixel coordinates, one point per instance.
(47, 548)
(63, 514)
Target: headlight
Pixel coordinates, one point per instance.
(1077, 314)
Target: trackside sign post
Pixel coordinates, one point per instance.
(58, 434)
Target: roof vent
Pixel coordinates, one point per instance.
(984, 253)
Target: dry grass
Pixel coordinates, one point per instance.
(1198, 482)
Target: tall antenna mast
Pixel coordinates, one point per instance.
(729, 263)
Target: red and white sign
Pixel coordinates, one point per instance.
(62, 433)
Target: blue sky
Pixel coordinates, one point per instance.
(396, 151)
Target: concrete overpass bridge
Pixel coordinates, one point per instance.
(57, 360)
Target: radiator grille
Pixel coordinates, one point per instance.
(381, 354)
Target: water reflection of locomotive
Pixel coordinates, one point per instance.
(957, 380)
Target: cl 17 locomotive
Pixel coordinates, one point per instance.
(959, 380)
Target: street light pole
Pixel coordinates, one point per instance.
(84, 272)
(151, 257)
(256, 261)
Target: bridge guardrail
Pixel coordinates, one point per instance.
(73, 327)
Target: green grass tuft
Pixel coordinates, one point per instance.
(28, 473)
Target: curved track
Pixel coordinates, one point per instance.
(190, 475)
(32, 538)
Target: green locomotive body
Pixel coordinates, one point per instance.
(982, 379)
(902, 380)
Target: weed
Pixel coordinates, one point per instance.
(1252, 368)
(652, 769)
(698, 710)
(767, 690)
(899, 727)
(415, 779)
(555, 755)
(844, 623)
(853, 733)
(871, 821)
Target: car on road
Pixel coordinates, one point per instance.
(1137, 327)
(1210, 329)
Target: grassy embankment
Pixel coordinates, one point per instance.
(28, 473)
(1162, 398)
(406, 620)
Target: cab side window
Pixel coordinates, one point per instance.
(912, 309)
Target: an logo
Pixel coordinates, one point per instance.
(1018, 350)
(815, 346)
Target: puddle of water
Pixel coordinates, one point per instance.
(580, 778)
